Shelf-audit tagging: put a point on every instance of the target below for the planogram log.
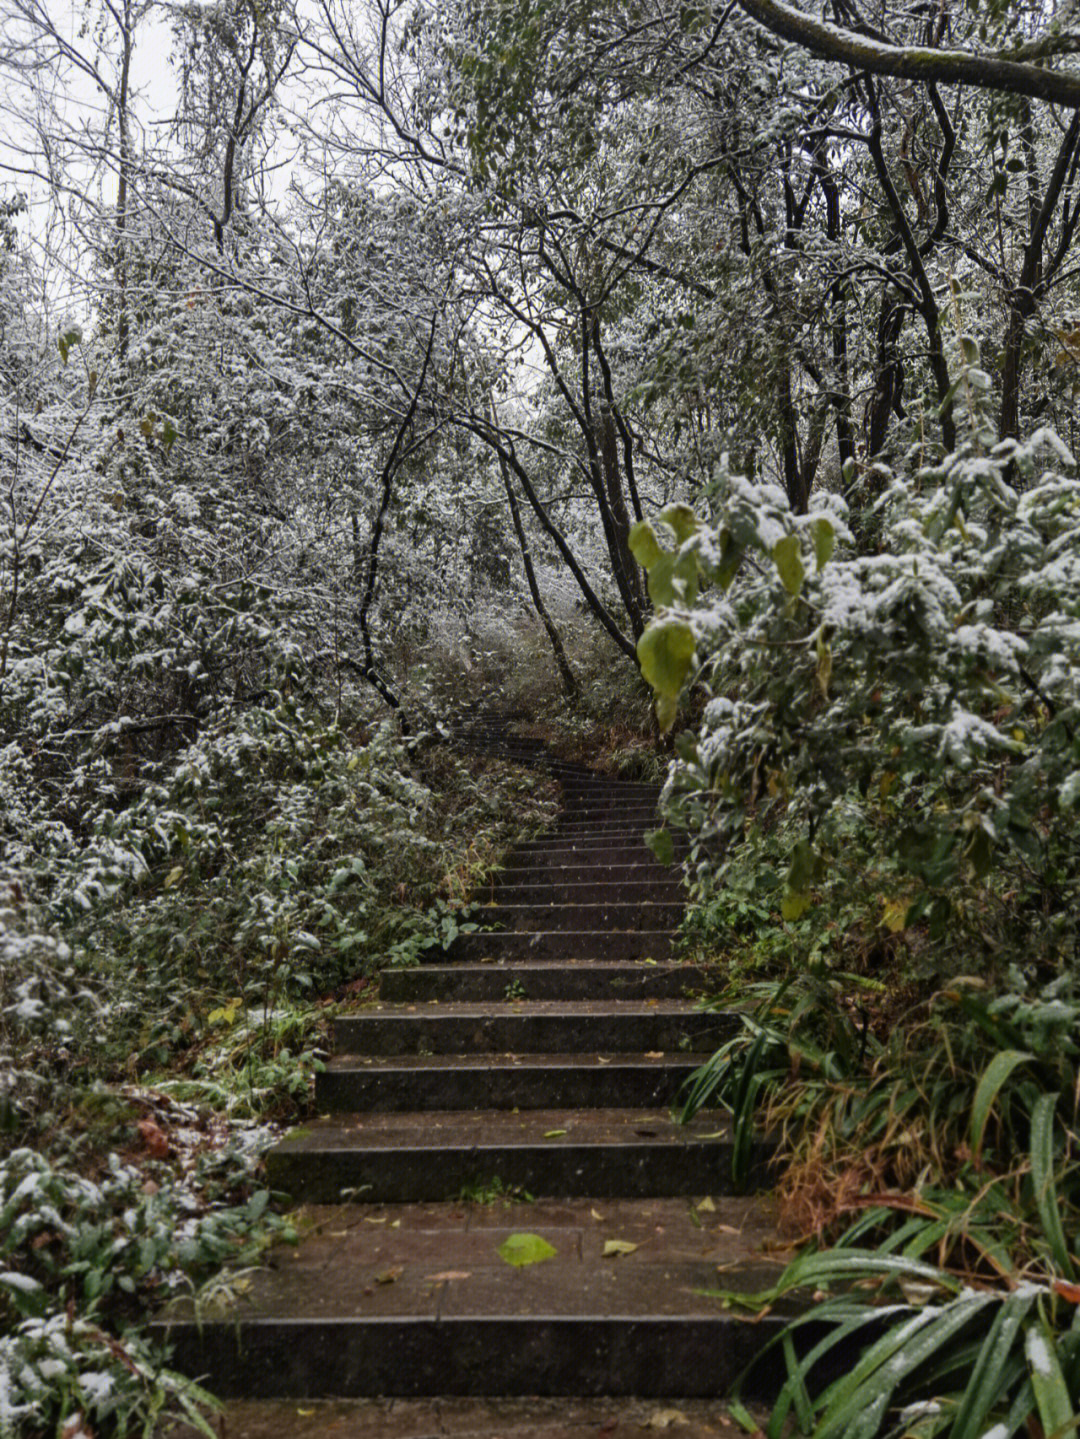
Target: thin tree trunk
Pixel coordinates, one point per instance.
(568, 677)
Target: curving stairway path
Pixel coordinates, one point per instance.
(520, 1082)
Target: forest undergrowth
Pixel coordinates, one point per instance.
(169, 972)
(885, 876)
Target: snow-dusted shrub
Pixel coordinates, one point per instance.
(101, 1249)
(46, 1011)
(896, 718)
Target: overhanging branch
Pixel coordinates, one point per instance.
(913, 62)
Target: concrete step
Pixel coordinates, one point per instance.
(530, 1416)
(601, 832)
(520, 1026)
(559, 944)
(619, 915)
(416, 1301)
(414, 1083)
(584, 806)
(565, 980)
(591, 850)
(644, 868)
(664, 887)
(587, 822)
(557, 1153)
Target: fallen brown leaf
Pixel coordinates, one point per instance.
(154, 1139)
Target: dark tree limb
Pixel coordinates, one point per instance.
(370, 670)
(913, 62)
(483, 431)
(558, 649)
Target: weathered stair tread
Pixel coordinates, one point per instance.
(560, 944)
(434, 1082)
(561, 979)
(526, 1008)
(616, 916)
(387, 1294)
(524, 1059)
(531, 1417)
(645, 869)
(638, 890)
(491, 1129)
(518, 1024)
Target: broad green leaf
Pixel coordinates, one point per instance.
(661, 844)
(522, 1249)
(666, 652)
(731, 555)
(984, 1387)
(667, 710)
(787, 556)
(1051, 1391)
(804, 865)
(168, 435)
(682, 520)
(1042, 1177)
(793, 906)
(673, 579)
(67, 342)
(644, 545)
(686, 572)
(661, 588)
(824, 540)
(993, 1077)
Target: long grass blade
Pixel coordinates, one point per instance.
(897, 1355)
(847, 1325)
(1042, 1175)
(1052, 1397)
(984, 1388)
(993, 1078)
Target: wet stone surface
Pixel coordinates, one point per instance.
(526, 1418)
(436, 1260)
(538, 1057)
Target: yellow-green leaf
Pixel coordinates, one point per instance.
(794, 906)
(667, 710)
(824, 540)
(661, 586)
(666, 652)
(613, 1248)
(787, 556)
(644, 545)
(682, 520)
(522, 1249)
(894, 915)
(661, 844)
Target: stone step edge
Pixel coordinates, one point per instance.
(647, 1356)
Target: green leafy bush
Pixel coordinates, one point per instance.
(900, 716)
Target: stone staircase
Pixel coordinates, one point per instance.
(522, 1081)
